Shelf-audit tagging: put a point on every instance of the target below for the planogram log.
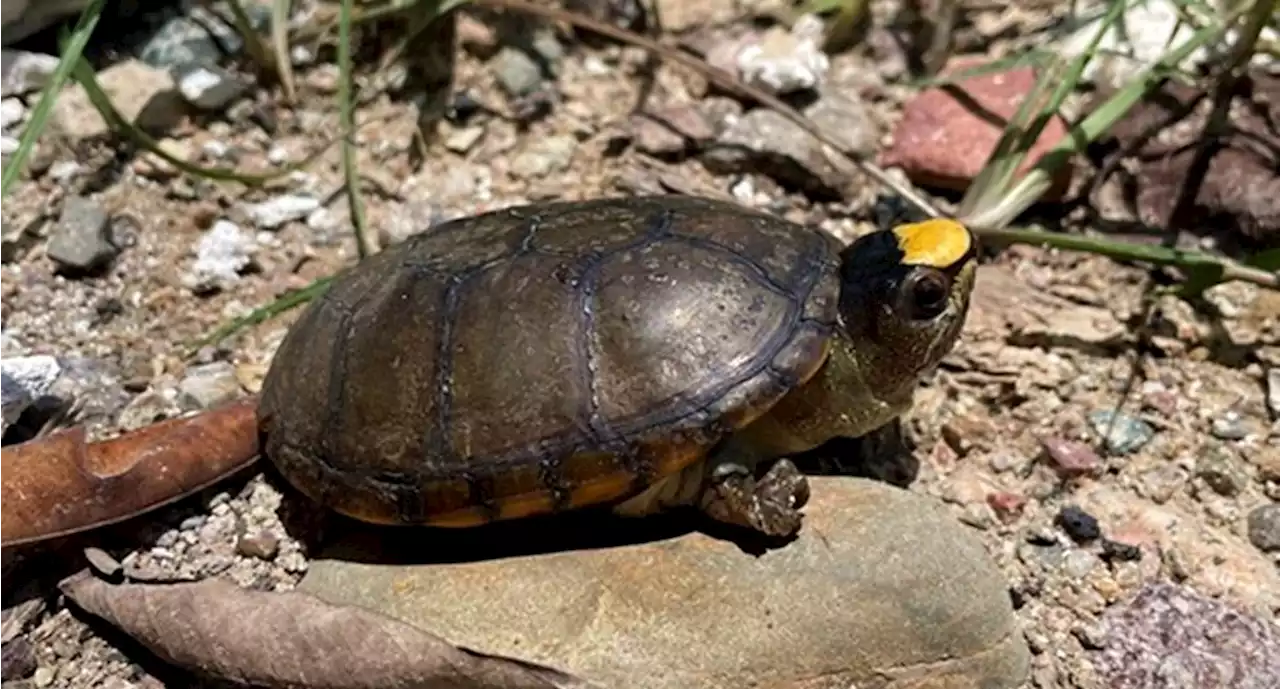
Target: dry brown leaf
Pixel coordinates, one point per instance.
(294, 640)
(61, 484)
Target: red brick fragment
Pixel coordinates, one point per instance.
(943, 142)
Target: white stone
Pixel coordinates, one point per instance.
(280, 210)
(25, 72)
(209, 88)
(12, 112)
(23, 380)
(221, 254)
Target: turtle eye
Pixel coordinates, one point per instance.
(925, 294)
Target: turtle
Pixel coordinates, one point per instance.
(636, 354)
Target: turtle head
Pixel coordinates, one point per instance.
(904, 294)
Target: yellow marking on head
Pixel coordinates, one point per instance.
(937, 243)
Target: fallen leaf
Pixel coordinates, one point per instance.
(1237, 199)
(290, 639)
(108, 481)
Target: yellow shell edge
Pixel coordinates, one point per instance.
(938, 243)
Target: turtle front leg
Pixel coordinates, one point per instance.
(770, 505)
(723, 486)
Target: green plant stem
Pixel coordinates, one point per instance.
(352, 177)
(1125, 251)
(280, 44)
(253, 43)
(992, 184)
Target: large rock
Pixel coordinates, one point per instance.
(21, 18)
(879, 590)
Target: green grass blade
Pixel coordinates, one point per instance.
(80, 35)
(280, 45)
(350, 174)
(1059, 80)
(262, 314)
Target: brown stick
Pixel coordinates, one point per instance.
(61, 484)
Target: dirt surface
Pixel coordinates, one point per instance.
(1005, 432)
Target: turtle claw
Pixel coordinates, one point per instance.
(770, 505)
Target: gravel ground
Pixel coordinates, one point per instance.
(1004, 431)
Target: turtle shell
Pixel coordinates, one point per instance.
(545, 357)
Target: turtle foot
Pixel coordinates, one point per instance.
(770, 505)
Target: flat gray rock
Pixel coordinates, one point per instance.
(881, 589)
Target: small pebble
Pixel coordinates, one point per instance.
(199, 36)
(544, 43)
(275, 212)
(1041, 536)
(1007, 506)
(1161, 483)
(654, 137)
(1091, 636)
(976, 515)
(65, 170)
(209, 385)
(764, 141)
(1268, 462)
(277, 155)
(1264, 527)
(221, 253)
(1078, 524)
(786, 61)
(1273, 391)
(219, 150)
(462, 140)
(264, 546)
(19, 659)
(1078, 563)
(82, 238)
(301, 55)
(543, 157)
(324, 78)
(516, 72)
(167, 539)
(1219, 470)
(1124, 433)
(1229, 426)
(26, 72)
(1070, 458)
(1002, 462)
(209, 88)
(23, 380)
(43, 677)
(11, 113)
(1116, 551)
(103, 564)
